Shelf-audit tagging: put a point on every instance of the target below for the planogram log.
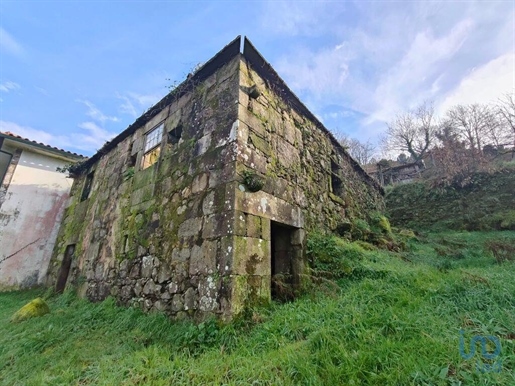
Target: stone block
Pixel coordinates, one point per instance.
(251, 256)
(190, 227)
(287, 154)
(240, 224)
(265, 205)
(202, 145)
(177, 303)
(190, 299)
(253, 226)
(199, 183)
(147, 265)
(160, 305)
(255, 124)
(208, 294)
(181, 254)
(208, 204)
(289, 132)
(265, 229)
(164, 273)
(217, 225)
(298, 237)
(150, 287)
(203, 258)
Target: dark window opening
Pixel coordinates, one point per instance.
(175, 135)
(132, 160)
(5, 161)
(132, 157)
(125, 244)
(336, 181)
(64, 271)
(281, 260)
(87, 186)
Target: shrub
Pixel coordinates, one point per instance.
(333, 257)
(380, 224)
(502, 250)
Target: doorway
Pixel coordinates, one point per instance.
(281, 261)
(64, 271)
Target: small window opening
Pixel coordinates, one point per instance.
(131, 160)
(87, 186)
(152, 148)
(336, 181)
(64, 271)
(175, 135)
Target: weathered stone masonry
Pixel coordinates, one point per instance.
(186, 235)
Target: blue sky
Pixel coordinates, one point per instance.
(75, 73)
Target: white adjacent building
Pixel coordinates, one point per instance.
(33, 197)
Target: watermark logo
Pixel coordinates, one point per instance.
(489, 362)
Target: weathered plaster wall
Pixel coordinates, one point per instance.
(30, 215)
(162, 237)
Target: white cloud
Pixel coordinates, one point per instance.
(294, 18)
(9, 44)
(415, 76)
(95, 113)
(135, 104)
(323, 72)
(9, 86)
(94, 138)
(59, 141)
(484, 84)
(390, 57)
(42, 90)
(89, 139)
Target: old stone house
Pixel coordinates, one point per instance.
(204, 200)
(33, 197)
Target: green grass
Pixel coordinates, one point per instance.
(486, 203)
(396, 321)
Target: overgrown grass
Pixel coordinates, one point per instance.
(486, 203)
(395, 320)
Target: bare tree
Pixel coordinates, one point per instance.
(413, 132)
(475, 123)
(362, 152)
(506, 113)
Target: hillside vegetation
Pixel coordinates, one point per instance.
(387, 319)
(487, 202)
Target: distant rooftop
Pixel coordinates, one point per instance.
(18, 138)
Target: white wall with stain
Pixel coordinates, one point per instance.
(30, 216)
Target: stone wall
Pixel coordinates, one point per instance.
(190, 235)
(310, 184)
(160, 237)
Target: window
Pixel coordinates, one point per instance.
(174, 135)
(87, 186)
(5, 161)
(336, 181)
(152, 146)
